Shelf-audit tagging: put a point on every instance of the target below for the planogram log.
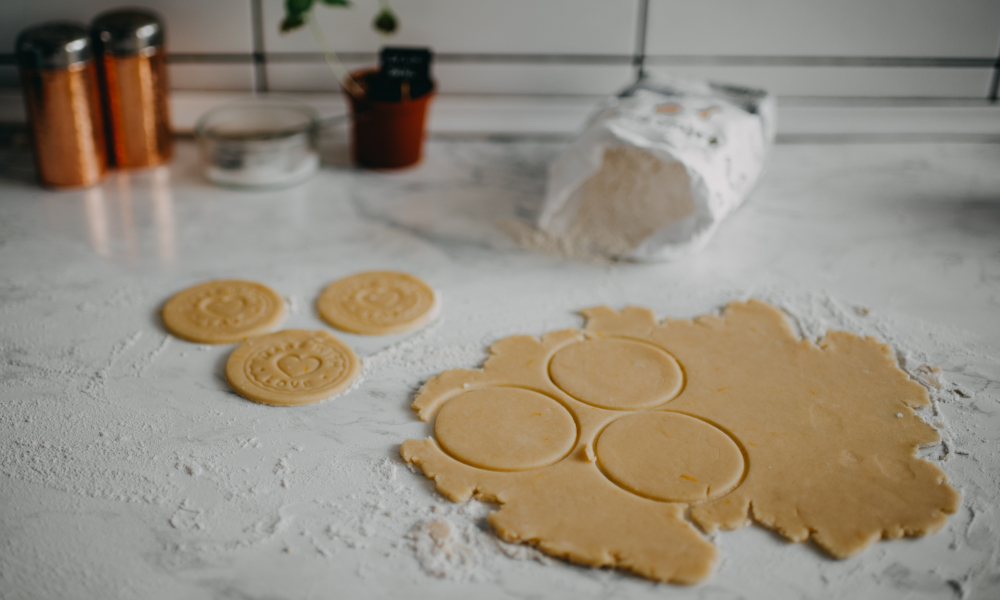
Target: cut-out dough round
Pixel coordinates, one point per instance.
(290, 367)
(378, 302)
(505, 429)
(223, 312)
(617, 374)
(670, 457)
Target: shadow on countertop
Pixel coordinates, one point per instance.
(16, 155)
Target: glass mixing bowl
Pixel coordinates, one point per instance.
(258, 145)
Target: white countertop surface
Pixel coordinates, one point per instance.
(128, 468)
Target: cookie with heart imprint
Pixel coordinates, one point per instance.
(291, 367)
(378, 302)
(223, 312)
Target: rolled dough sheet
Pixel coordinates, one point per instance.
(378, 302)
(291, 367)
(223, 312)
(715, 414)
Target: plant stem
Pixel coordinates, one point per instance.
(332, 61)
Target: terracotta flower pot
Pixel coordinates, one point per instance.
(387, 135)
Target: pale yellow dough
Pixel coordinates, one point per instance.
(669, 456)
(223, 312)
(596, 442)
(378, 302)
(529, 430)
(291, 367)
(616, 374)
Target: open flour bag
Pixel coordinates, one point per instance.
(657, 170)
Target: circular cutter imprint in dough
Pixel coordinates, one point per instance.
(670, 457)
(378, 302)
(617, 374)
(505, 429)
(291, 367)
(223, 312)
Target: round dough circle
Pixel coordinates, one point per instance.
(223, 312)
(616, 374)
(291, 367)
(377, 302)
(670, 457)
(505, 429)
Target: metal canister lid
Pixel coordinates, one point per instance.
(127, 31)
(53, 45)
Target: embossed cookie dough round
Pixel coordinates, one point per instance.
(291, 367)
(378, 302)
(223, 312)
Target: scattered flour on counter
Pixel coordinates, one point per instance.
(444, 551)
(463, 547)
(142, 365)
(413, 354)
(213, 476)
(100, 380)
(529, 237)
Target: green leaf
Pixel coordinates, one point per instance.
(289, 23)
(297, 8)
(295, 11)
(336, 2)
(386, 22)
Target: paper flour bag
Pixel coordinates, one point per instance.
(657, 170)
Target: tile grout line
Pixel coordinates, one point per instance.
(259, 55)
(465, 57)
(995, 83)
(822, 61)
(887, 138)
(787, 138)
(640, 39)
(639, 59)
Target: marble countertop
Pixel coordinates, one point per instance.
(128, 468)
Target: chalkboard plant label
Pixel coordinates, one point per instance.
(388, 104)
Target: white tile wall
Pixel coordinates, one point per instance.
(940, 28)
(233, 77)
(565, 116)
(184, 76)
(539, 37)
(191, 25)
(305, 77)
(863, 82)
(510, 26)
(465, 78)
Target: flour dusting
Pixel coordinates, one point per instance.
(148, 424)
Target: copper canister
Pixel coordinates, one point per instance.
(63, 106)
(133, 75)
